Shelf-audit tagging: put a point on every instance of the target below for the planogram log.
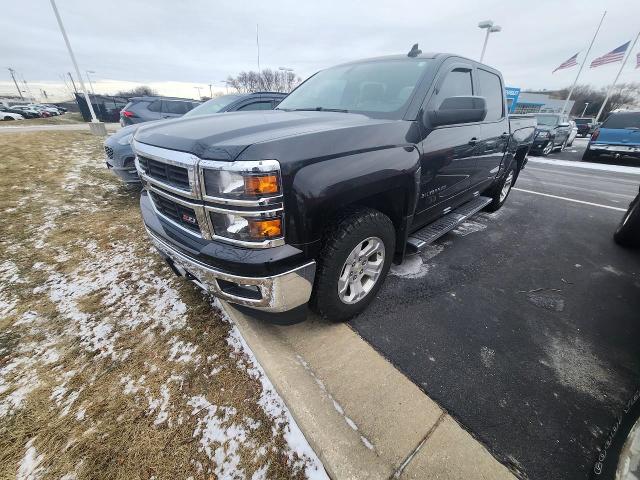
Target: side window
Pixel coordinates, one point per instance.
(257, 106)
(155, 106)
(491, 90)
(457, 83)
(175, 107)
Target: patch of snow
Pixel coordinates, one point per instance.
(487, 356)
(412, 267)
(611, 269)
(271, 402)
(29, 468)
(465, 228)
(587, 165)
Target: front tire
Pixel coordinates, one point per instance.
(628, 232)
(353, 264)
(501, 191)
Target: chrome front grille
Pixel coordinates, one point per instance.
(176, 190)
(165, 172)
(180, 214)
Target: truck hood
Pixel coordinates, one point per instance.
(619, 136)
(225, 136)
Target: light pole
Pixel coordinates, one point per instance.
(586, 104)
(490, 28)
(210, 91)
(226, 83)
(97, 127)
(93, 92)
(198, 88)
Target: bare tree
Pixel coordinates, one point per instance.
(269, 80)
(141, 91)
(625, 94)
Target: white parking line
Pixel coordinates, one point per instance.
(586, 165)
(571, 199)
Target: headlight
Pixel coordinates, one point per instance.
(126, 140)
(255, 227)
(244, 180)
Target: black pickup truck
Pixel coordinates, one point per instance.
(310, 203)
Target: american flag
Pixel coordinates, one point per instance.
(613, 56)
(569, 63)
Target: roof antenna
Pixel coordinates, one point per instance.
(414, 52)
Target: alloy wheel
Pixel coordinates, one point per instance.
(506, 187)
(361, 271)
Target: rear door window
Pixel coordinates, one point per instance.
(491, 89)
(622, 120)
(175, 107)
(155, 106)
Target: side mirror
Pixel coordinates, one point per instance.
(455, 110)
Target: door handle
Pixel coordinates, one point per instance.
(473, 141)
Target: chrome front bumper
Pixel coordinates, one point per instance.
(277, 293)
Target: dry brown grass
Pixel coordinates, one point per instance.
(112, 357)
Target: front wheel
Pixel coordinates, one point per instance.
(354, 262)
(628, 232)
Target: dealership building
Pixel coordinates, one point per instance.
(526, 102)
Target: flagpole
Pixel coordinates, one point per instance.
(624, 62)
(566, 102)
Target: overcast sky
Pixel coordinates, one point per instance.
(175, 45)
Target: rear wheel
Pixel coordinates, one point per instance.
(501, 190)
(628, 232)
(353, 264)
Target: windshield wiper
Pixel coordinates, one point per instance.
(320, 109)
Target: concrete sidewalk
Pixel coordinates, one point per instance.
(363, 418)
(111, 127)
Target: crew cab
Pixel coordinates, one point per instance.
(310, 203)
(619, 135)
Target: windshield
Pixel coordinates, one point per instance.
(622, 120)
(380, 88)
(212, 106)
(548, 120)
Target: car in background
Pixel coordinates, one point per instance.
(7, 116)
(43, 108)
(552, 133)
(24, 113)
(120, 156)
(147, 109)
(619, 135)
(586, 126)
(29, 109)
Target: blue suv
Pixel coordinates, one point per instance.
(619, 135)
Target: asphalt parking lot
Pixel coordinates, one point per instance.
(523, 324)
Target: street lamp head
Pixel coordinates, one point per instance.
(495, 28)
(486, 24)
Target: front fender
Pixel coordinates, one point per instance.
(324, 188)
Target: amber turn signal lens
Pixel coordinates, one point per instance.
(261, 184)
(265, 228)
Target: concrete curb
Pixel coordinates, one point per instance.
(362, 417)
